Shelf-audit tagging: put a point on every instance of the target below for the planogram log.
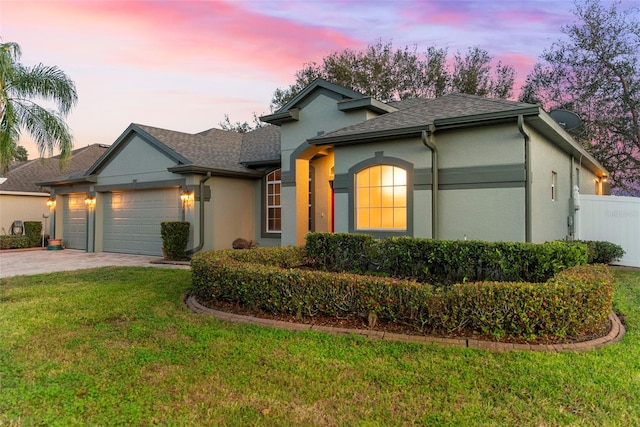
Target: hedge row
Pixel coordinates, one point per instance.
(576, 302)
(443, 262)
(14, 242)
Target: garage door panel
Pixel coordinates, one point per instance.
(74, 234)
(132, 220)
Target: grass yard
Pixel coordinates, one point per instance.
(117, 346)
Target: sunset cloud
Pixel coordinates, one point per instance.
(184, 64)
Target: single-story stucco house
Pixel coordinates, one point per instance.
(21, 199)
(335, 160)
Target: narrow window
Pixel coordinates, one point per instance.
(274, 208)
(554, 186)
(381, 198)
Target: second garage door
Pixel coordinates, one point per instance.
(132, 219)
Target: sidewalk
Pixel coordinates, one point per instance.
(18, 262)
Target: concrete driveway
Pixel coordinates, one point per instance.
(16, 263)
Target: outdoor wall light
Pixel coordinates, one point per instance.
(185, 196)
(51, 203)
(90, 201)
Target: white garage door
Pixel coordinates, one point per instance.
(132, 219)
(74, 234)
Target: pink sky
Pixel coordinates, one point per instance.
(183, 65)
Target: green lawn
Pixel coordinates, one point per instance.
(118, 346)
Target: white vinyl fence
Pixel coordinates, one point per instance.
(613, 219)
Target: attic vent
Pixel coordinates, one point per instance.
(320, 132)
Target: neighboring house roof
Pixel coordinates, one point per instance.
(25, 177)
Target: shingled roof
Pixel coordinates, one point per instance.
(420, 113)
(24, 176)
(219, 149)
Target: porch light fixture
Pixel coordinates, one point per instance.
(90, 201)
(185, 196)
(51, 203)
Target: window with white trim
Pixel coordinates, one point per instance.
(273, 199)
(381, 198)
(554, 186)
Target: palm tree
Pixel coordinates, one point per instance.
(18, 85)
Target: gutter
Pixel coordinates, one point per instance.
(429, 140)
(201, 219)
(527, 186)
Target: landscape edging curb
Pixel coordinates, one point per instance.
(615, 334)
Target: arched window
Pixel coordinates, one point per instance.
(381, 198)
(274, 207)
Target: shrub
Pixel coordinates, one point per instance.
(341, 251)
(33, 231)
(602, 252)
(175, 237)
(14, 242)
(443, 262)
(574, 303)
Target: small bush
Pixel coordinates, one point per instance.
(602, 252)
(14, 242)
(175, 238)
(33, 231)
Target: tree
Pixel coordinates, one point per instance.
(20, 154)
(390, 74)
(595, 72)
(19, 84)
(241, 127)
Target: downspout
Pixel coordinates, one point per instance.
(429, 140)
(201, 219)
(527, 184)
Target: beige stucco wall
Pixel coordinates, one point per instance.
(230, 213)
(23, 207)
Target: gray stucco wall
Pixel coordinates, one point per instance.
(549, 217)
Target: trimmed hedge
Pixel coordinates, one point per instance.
(443, 262)
(175, 238)
(603, 252)
(574, 303)
(33, 231)
(14, 242)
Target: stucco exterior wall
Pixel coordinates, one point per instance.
(317, 115)
(492, 214)
(549, 216)
(230, 213)
(482, 188)
(480, 146)
(23, 207)
(137, 160)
